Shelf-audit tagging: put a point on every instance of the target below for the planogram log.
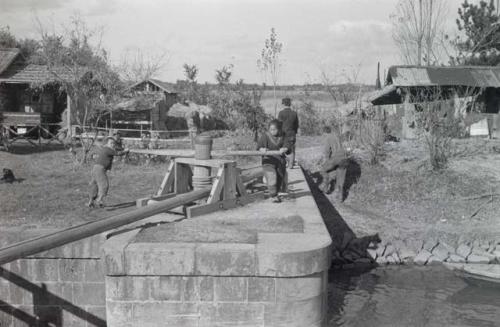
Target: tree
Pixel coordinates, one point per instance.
(479, 43)
(223, 75)
(79, 64)
(191, 72)
(417, 27)
(7, 39)
(137, 65)
(269, 62)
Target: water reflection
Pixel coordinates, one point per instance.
(410, 296)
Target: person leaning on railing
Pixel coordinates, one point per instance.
(99, 183)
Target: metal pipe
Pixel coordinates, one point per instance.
(72, 234)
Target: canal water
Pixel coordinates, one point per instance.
(410, 296)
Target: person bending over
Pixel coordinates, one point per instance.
(274, 166)
(335, 160)
(99, 183)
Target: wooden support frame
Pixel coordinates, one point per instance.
(228, 189)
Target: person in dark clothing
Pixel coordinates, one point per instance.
(274, 166)
(335, 160)
(99, 183)
(290, 127)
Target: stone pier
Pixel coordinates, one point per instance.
(264, 264)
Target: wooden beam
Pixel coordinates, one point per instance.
(230, 181)
(214, 163)
(145, 201)
(183, 175)
(204, 209)
(218, 185)
(167, 185)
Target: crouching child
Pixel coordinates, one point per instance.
(274, 166)
(99, 183)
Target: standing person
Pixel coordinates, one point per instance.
(274, 166)
(335, 160)
(290, 122)
(99, 183)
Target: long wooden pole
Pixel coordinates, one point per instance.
(72, 234)
(190, 153)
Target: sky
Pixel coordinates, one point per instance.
(338, 37)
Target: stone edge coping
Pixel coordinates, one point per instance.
(275, 254)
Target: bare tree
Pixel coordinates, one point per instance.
(137, 65)
(77, 61)
(269, 62)
(417, 26)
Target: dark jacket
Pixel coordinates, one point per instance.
(105, 157)
(272, 143)
(290, 121)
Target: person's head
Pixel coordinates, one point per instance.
(110, 142)
(287, 102)
(274, 127)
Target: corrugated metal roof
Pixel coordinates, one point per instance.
(480, 76)
(7, 56)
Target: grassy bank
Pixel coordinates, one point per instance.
(400, 198)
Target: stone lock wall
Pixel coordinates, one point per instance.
(278, 280)
(60, 287)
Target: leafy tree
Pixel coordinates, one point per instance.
(191, 72)
(480, 43)
(223, 75)
(269, 62)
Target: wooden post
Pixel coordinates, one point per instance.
(68, 115)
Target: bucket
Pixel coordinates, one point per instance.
(202, 147)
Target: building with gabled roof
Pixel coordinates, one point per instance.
(29, 94)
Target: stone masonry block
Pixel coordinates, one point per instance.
(225, 259)
(261, 289)
(45, 270)
(150, 313)
(294, 314)
(119, 313)
(127, 288)
(72, 270)
(166, 288)
(113, 252)
(199, 288)
(151, 259)
(299, 288)
(231, 289)
(93, 271)
(231, 314)
(89, 294)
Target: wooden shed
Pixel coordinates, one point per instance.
(29, 95)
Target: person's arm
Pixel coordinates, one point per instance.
(262, 142)
(296, 124)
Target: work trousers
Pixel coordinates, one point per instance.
(99, 183)
(276, 179)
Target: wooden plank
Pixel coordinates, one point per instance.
(203, 209)
(145, 201)
(230, 181)
(215, 163)
(167, 185)
(218, 185)
(240, 187)
(188, 153)
(182, 178)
